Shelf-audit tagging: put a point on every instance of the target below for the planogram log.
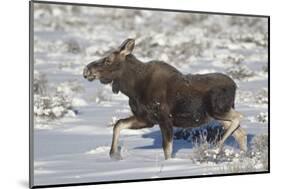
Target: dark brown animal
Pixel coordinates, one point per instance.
(160, 94)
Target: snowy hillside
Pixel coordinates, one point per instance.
(73, 117)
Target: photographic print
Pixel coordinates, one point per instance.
(122, 94)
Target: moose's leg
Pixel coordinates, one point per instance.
(239, 134)
(167, 140)
(166, 127)
(128, 123)
(234, 118)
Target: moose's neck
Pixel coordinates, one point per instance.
(132, 78)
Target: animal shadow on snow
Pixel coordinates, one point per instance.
(181, 143)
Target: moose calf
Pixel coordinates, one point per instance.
(160, 94)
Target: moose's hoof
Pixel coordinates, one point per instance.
(115, 156)
(244, 149)
(243, 146)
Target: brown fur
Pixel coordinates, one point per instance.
(160, 94)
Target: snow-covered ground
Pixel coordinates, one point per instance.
(73, 117)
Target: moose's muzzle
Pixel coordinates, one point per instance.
(88, 75)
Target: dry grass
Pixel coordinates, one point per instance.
(231, 161)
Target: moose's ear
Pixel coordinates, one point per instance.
(127, 47)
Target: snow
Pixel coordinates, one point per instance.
(73, 146)
(100, 149)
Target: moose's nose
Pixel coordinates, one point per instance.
(86, 72)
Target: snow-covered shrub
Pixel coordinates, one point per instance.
(249, 97)
(237, 166)
(262, 117)
(187, 19)
(234, 59)
(206, 153)
(240, 72)
(262, 96)
(73, 47)
(55, 102)
(243, 21)
(258, 39)
(191, 48)
(39, 83)
(50, 17)
(200, 153)
(69, 88)
(52, 106)
(205, 140)
(259, 150)
(231, 161)
(256, 159)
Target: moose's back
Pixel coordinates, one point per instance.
(191, 98)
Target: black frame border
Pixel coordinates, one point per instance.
(31, 123)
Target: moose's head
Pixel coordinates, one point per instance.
(110, 67)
